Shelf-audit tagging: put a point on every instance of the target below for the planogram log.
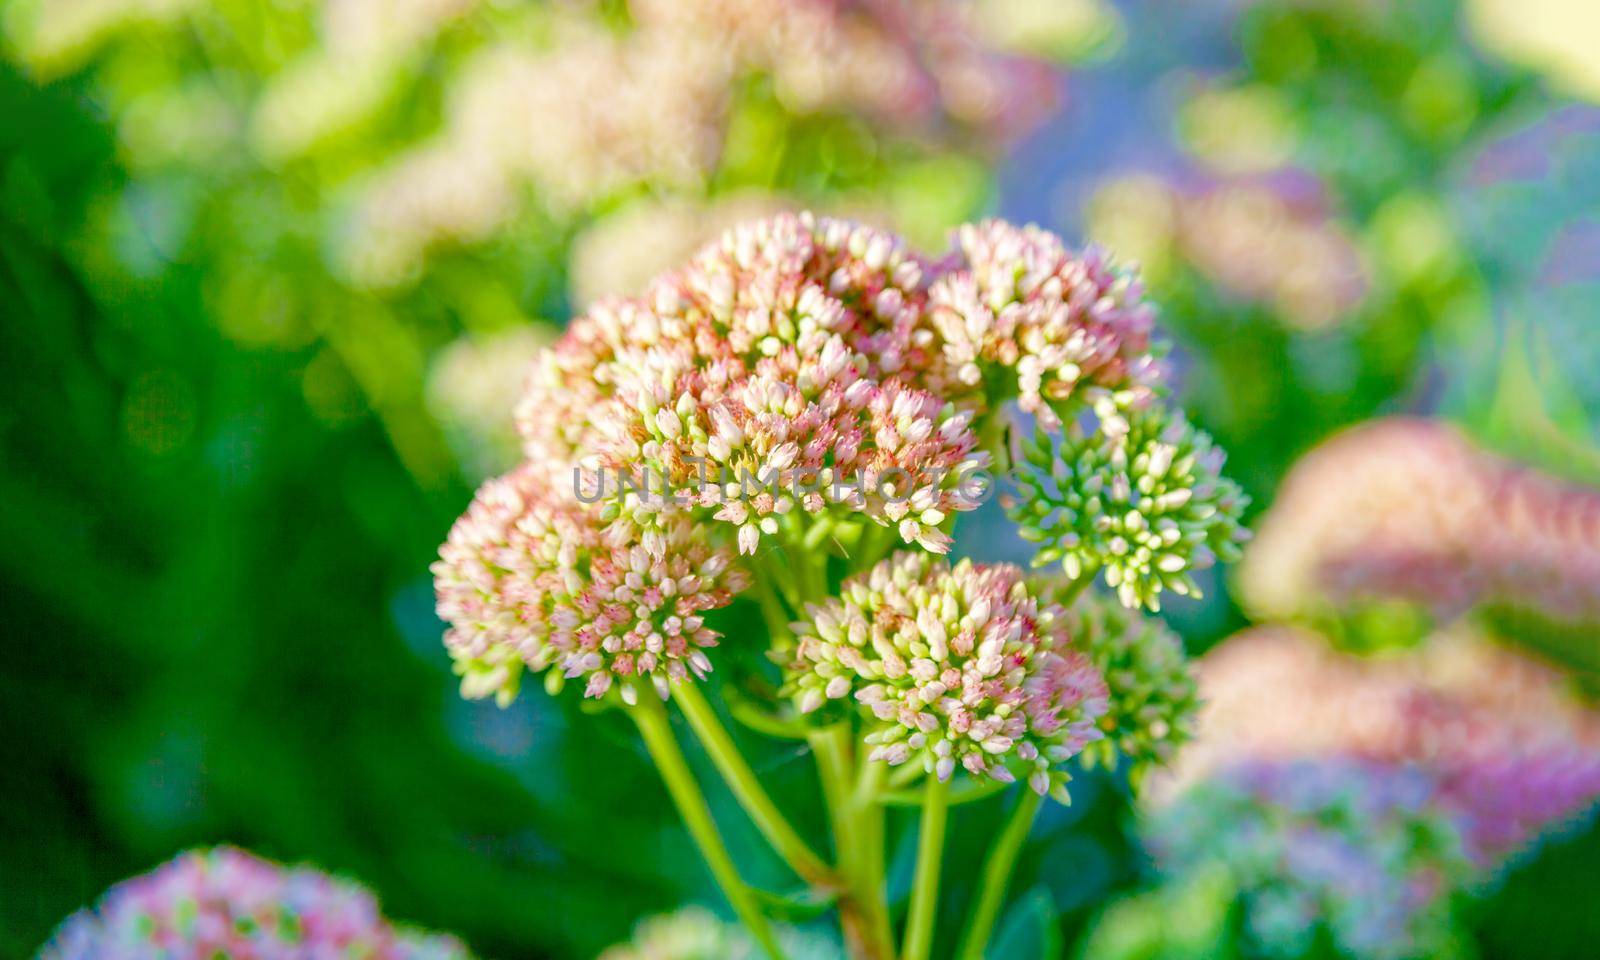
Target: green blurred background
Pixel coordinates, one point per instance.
(236, 428)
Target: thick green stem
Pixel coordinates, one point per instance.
(747, 787)
(651, 718)
(865, 937)
(996, 876)
(869, 814)
(925, 887)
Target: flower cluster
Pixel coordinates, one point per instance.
(1153, 692)
(809, 349)
(1409, 509)
(1358, 853)
(959, 665)
(1068, 327)
(783, 358)
(224, 902)
(786, 380)
(531, 579)
(695, 933)
(1263, 239)
(1145, 502)
(691, 933)
(925, 66)
(524, 113)
(1510, 751)
(519, 115)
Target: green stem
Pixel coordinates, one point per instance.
(746, 787)
(905, 775)
(772, 568)
(772, 609)
(813, 567)
(994, 433)
(869, 814)
(865, 936)
(651, 718)
(996, 876)
(831, 747)
(925, 887)
(877, 542)
(750, 715)
(1075, 589)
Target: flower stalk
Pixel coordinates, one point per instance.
(651, 718)
(996, 876)
(747, 789)
(930, 858)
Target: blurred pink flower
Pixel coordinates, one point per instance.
(1409, 508)
(1513, 752)
(1267, 239)
(224, 902)
(596, 110)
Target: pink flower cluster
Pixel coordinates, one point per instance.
(775, 354)
(1266, 239)
(1071, 326)
(807, 347)
(1511, 750)
(529, 578)
(1410, 509)
(914, 65)
(958, 665)
(597, 111)
(790, 377)
(224, 902)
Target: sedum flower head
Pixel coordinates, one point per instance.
(826, 361)
(1357, 853)
(1409, 509)
(692, 933)
(695, 933)
(530, 579)
(777, 373)
(1512, 752)
(1068, 327)
(1147, 504)
(224, 902)
(1267, 239)
(1153, 691)
(959, 665)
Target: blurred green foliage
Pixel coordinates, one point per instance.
(1378, 106)
(204, 595)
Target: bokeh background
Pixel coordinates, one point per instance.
(270, 269)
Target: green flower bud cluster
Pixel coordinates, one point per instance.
(1142, 499)
(1154, 695)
